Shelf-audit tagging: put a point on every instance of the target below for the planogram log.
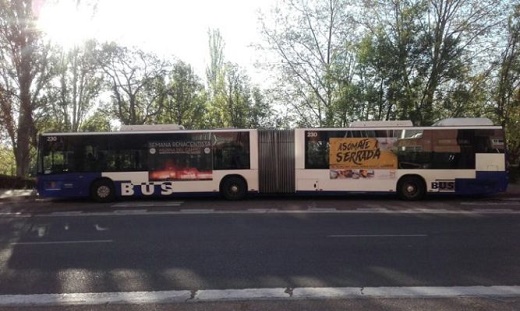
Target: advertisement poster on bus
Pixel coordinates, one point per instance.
(355, 158)
(180, 160)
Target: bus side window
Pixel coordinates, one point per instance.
(230, 156)
(484, 145)
(91, 162)
(137, 160)
(101, 161)
(217, 157)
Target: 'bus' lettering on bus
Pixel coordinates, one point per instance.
(166, 188)
(443, 185)
(127, 189)
(148, 189)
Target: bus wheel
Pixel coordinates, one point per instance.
(233, 188)
(102, 191)
(411, 188)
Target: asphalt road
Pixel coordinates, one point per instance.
(198, 246)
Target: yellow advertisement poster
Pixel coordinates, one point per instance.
(361, 153)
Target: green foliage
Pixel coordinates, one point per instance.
(80, 83)
(507, 96)
(416, 59)
(7, 161)
(136, 80)
(260, 112)
(314, 62)
(98, 122)
(13, 182)
(232, 101)
(185, 101)
(24, 71)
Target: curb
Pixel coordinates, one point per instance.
(23, 194)
(17, 194)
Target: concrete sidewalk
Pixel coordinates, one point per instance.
(513, 190)
(12, 194)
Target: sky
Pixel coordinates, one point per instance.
(166, 27)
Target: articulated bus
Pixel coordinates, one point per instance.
(459, 156)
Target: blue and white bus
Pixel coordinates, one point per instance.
(459, 156)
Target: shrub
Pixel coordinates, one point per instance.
(13, 182)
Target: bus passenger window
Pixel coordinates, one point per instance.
(231, 156)
(91, 162)
(231, 151)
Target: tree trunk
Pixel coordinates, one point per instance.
(24, 133)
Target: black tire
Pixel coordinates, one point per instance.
(103, 191)
(233, 188)
(411, 188)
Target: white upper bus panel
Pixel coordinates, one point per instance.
(464, 122)
(444, 122)
(148, 127)
(396, 123)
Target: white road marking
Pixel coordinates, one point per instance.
(94, 298)
(86, 213)
(17, 214)
(377, 235)
(491, 211)
(489, 203)
(148, 204)
(372, 209)
(62, 242)
(100, 228)
(41, 230)
(73, 213)
(130, 212)
(324, 210)
(258, 294)
(197, 211)
(408, 292)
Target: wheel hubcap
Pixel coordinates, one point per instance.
(103, 192)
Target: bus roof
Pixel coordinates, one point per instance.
(443, 122)
(452, 123)
(149, 127)
(390, 123)
(464, 122)
(154, 131)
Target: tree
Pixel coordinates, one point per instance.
(230, 95)
(80, 83)
(390, 54)
(314, 61)
(261, 114)
(73, 92)
(7, 161)
(215, 75)
(508, 86)
(185, 102)
(24, 71)
(423, 51)
(457, 26)
(100, 121)
(136, 81)
(214, 72)
(236, 96)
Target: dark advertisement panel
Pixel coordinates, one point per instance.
(184, 157)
